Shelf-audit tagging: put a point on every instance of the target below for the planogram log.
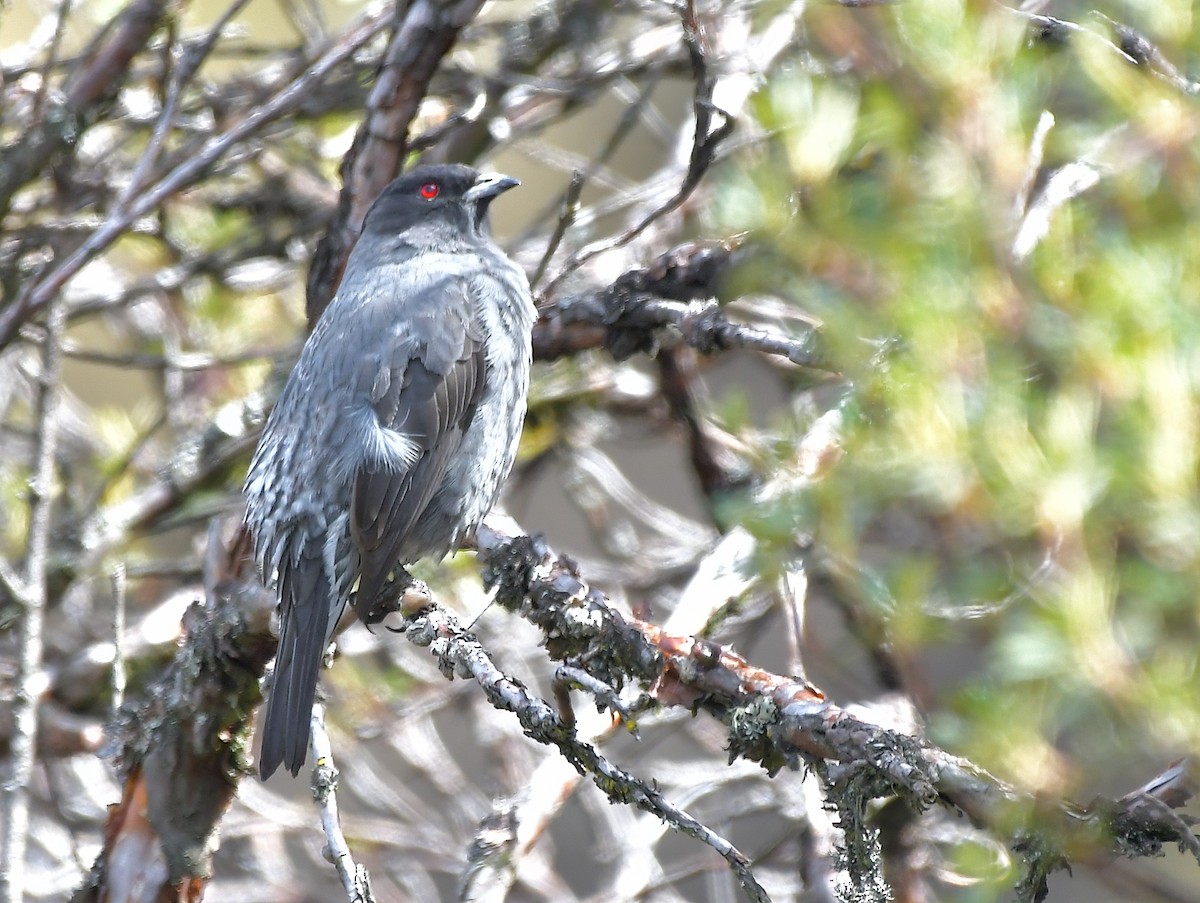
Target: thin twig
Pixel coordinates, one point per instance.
(187, 61)
(633, 114)
(1130, 46)
(705, 142)
(15, 793)
(1064, 184)
(566, 216)
(1033, 164)
(460, 653)
(98, 74)
(118, 666)
(60, 27)
(355, 880)
(13, 583)
(41, 291)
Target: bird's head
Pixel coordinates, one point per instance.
(443, 199)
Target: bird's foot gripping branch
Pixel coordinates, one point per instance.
(401, 593)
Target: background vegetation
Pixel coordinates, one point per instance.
(936, 451)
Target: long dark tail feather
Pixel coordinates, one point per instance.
(304, 611)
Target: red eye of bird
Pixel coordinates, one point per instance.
(430, 190)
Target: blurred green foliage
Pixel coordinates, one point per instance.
(1020, 469)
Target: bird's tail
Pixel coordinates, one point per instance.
(304, 606)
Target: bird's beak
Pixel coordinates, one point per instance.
(490, 184)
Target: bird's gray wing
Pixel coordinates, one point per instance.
(425, 392)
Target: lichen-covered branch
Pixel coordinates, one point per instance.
(182, 748)
(781, 721)
(677, 290)
(460, 655)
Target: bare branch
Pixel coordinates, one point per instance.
(567, 212)
(14, 802)
(460, 654)
(355, 880)
(118, 666)
(187, 62)
(425, 34)
(705, 142)
(1130, 46)
(92, 83)
(39, 292)
(717, 468)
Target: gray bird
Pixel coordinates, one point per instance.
(396, 428)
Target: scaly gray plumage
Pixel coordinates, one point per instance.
(396, 428)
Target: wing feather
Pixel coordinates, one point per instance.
(429, 396)
(302, 640)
